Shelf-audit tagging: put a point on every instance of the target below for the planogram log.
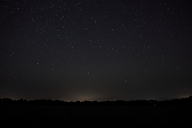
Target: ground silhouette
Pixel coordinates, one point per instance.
(109, 114)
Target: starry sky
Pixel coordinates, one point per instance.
(95, 49)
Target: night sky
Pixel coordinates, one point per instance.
(95, 49)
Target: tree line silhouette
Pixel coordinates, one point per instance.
(183, 101)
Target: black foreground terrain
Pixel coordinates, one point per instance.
(95, 116)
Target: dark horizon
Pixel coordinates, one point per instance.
(95, 49)
(93, 100)
(99, 99)
(119, 100)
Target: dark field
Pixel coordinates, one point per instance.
(95, 116)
